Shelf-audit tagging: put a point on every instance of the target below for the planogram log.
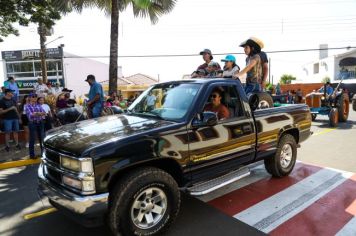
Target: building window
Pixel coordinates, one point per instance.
(316, 68)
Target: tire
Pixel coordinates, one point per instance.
(282, 163)
(134, 197)
(265, 100)
(354, 104)
(333, 117)
(343, 105)
(314, 117)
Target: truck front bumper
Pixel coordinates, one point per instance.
(87, 210)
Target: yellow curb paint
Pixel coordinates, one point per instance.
(324, 131)
(12, 164)
(39, 213)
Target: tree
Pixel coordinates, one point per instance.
(287, 79)
(325, 79)
(24, 12)
(42, 12)
(141, 8)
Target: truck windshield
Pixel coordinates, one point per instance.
(169, 101)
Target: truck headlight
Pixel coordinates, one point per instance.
(84, 165)
(83, 185)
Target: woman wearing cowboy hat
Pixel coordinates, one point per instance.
(253, 69)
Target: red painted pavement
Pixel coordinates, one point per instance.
(326, 216)
(243, 198)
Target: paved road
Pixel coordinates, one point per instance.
(327, 147)
(331, 147)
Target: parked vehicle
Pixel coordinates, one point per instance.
(336, 105)
(131, 168)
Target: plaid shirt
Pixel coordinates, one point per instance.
(31, 109)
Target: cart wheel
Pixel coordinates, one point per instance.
(333, 117)
(313, 117)
(344, 107)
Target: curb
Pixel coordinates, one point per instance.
(12, 164)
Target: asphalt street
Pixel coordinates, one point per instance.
(328, 147)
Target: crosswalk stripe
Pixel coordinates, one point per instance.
(316, 219)
(275, 210)
(243, 198)
(349, 229)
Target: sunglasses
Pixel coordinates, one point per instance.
(214, 96)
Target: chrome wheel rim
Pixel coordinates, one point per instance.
(263, 104)
(286, 155)
(148, 208)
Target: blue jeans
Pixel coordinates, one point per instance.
(35, 128)
(252, 87)
(11, 125)
(96, 110)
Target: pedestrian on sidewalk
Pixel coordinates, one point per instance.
(49, 116)
(11, 118)
(12, 85)
(36, 116)
(24, 119)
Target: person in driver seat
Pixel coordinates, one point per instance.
(216, 106)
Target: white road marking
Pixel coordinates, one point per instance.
(270, 213)
(349, 229)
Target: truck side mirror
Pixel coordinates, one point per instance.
(207, 118)
(253, 101)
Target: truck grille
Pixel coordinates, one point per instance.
(53, 175)
(53, 156)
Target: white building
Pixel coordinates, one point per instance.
(67, 69)
(335, 67)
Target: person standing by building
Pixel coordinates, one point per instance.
(56, 90)
(151, 101)
(40, 88)
(96, 96)
(11, 118)
(12, 85)
(36, 116)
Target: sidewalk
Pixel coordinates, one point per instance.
(14, 154)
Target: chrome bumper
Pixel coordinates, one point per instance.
(94, 205)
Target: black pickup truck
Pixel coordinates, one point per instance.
(130, 169)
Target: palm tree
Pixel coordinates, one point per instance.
(141, 8)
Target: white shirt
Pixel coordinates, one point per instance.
(56, 90)
(41, 89)
(46, 108)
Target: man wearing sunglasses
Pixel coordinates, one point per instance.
(216, 106)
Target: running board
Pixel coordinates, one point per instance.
(221, 181)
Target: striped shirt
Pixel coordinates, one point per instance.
(31, 109)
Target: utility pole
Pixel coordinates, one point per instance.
(42, 33)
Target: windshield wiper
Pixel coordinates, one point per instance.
(154, 114)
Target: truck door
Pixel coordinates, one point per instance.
(228, 144)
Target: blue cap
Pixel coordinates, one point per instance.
(229, 58)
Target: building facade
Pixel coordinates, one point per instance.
(25, 66)
(336, 67)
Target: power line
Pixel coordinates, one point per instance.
(217, 54)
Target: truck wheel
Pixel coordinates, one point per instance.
(314, 117)
(282, 163)
(145, 202)
(333, 117)
(265, 100)
(343, 107)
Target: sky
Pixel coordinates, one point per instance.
(197, 24)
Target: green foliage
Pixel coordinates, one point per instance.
(24, 12)
(287, 79)
(325, 79)
(269, 86)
